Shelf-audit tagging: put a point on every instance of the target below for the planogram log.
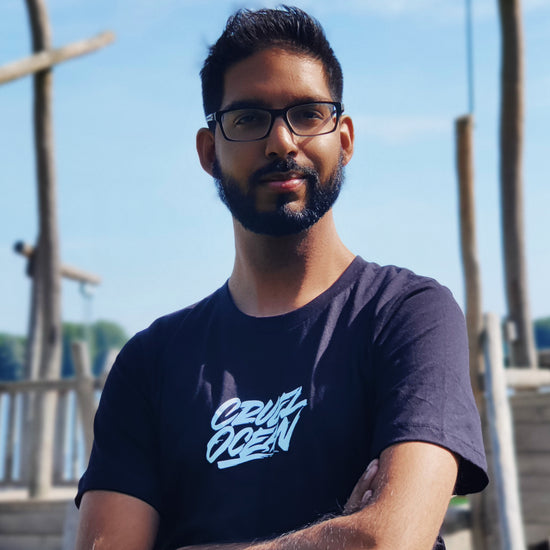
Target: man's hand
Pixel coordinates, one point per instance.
(363, 490)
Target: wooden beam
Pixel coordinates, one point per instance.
(67, 271)
(62, 384)
(521, 378)
(48, 58)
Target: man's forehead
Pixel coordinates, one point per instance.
(275, 75)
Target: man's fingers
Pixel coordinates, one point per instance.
(359, 496)
(370, 474)
(366, 497)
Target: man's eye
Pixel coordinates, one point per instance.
(311, 114)
(246, 119)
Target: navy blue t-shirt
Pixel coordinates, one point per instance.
(237, 428)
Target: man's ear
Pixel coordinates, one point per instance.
(206, 149)
(347, 138)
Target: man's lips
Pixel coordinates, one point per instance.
(283, 181)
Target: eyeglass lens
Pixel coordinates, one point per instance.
(305, 120)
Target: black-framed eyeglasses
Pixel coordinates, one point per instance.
(254, 123)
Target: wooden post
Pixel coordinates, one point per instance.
(31, 372)
(12, 437)
(109, 362)
(468, 243)
(84, 392)
(522, 349)
(472, 284)
(74, 436)
(34, 346)
(47, 273)
(502, 440)
(60, 431)
(85, 401)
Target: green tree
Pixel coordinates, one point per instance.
(105, 335)
(542, 333)
(12, 350)
(102, 336)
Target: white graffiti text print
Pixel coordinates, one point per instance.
(249, 430)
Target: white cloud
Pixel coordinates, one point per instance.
(399, 129)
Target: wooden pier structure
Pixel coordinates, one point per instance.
(47, 522)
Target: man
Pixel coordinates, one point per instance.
(254, 412)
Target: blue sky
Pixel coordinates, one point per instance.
(136, 208)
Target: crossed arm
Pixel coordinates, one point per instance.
(410, 494)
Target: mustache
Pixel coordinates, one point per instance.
(280, 166)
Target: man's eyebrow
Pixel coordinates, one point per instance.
(246, 104)
(261, 104)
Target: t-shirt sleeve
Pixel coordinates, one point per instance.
(423, 390)
(124, 453)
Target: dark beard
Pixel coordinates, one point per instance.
(282, 220)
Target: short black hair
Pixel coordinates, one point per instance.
(248, 32)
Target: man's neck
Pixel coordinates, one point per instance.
(275, 275)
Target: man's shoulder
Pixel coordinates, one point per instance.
(391, 283)
(170, 325)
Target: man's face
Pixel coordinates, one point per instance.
(283, 183)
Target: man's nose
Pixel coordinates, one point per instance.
(280, 142)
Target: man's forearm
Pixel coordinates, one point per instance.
(411, 495)
(334, 534)
(337, 533)
(359, 498)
